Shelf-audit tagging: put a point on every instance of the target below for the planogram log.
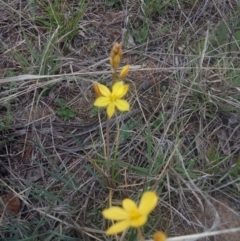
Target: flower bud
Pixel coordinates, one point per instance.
(116, 61)
(116, 48)
(96, 89)
(159, 236)
(124, 71)
(116, 55)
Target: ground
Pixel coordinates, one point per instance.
(179, 139)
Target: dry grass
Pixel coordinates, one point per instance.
(181, 137)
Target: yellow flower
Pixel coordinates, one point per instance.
(130, 215)
(113, 99)
(159, 236)
(124, 71)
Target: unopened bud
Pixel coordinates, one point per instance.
(159, 236)
(116, 48)
(124, 71)
(116, 55)
(96, 89)
(115, 61)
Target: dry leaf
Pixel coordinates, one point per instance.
(12, 204)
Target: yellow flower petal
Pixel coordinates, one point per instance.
(138, 222)
(115, 213)
(110, 110)
(102, 101)
(148, 202)
(104, 90)
(122, 105)
(118, 227)
(129, 205)
(119, 89)
(124, 91)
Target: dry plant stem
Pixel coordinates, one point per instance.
(140, 236)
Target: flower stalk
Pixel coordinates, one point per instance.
(107, 153)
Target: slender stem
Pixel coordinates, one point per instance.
(141, 238)
(115, 151)
(114, 73)
(107, 150)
